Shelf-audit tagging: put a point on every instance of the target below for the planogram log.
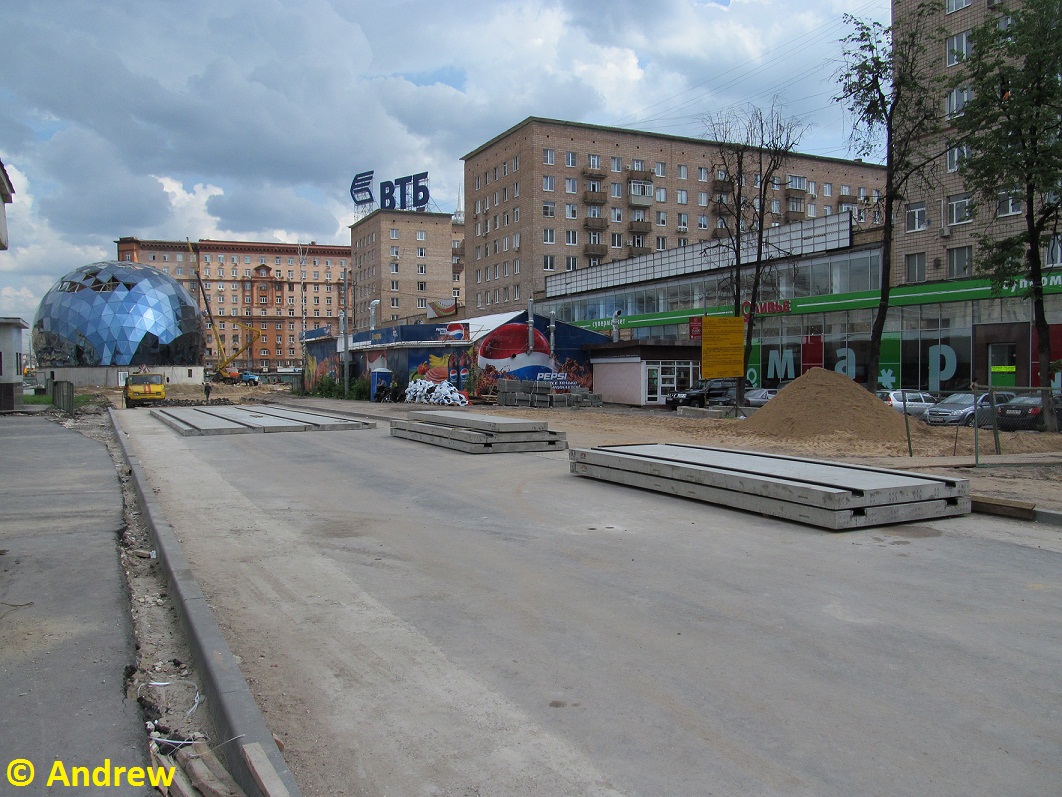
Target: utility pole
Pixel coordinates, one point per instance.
(343, 332)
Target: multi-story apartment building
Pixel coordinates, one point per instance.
(409, 262)
(549, 196)
(277, 290)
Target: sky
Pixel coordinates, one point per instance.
(248, 119)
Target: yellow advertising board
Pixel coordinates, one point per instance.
(722, 347)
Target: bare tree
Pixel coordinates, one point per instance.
(895, 104)
(753, 147)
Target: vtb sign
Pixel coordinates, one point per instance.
(401, 193)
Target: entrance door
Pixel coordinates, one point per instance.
(1002, 364)
(659, 381)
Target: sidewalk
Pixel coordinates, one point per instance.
(65, 633)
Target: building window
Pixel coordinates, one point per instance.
(956, 100)
(617, 214)
(422, 303)
(702, 174)
(549, 183)
(795, 204)
(394, 285)
(956, 155)
(617, 240)
(661, 243)
(960, 261)
(659, 169)
(682, 197)
(916, 217)
(571, 185)
(827, 189)
(683, 222)
(616, 164)
(549, 210)
(957, 48)
(916, 267)
(811, 210)
(661, 218)
(798, 183)
(422, 286)
(1009, 203)
(570, 211)
(549, 235)
(394, 234)
(616, 190)
(394, 301)
(548, 262)
(959, 208)
(569, 159)
(571, 237)
(661, 194)
(683, 172)
(422, 251)
(954, 5)
(571, 263)
(548, 157)
(702, 222)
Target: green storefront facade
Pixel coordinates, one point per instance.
(939, 337)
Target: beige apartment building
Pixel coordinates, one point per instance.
(409, 263)
(550, 196)
(273, 292)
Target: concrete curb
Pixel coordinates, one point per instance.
(236, 716)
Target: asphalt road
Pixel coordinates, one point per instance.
(419, 621)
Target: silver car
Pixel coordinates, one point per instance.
(913, 402)
(958, 409)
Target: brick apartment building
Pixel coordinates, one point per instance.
(411, 262)
(549, 196)
(278, 290)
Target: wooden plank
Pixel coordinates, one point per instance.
(254, 755)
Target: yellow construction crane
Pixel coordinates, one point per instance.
(223, 373)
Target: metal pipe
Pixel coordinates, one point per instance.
(530, 326)
(552, 333)
(372, 314)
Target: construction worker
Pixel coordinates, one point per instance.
(206, 391)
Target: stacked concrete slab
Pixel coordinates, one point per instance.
(475, 433)
(239, 419)
(532, 393)
(830, 495)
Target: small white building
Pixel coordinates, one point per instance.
(11, 363)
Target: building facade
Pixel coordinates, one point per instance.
(410, 263)
(270, 293)
(548, 197)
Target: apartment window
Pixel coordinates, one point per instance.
(798, 183)
(702, 198)
(959, 208)
(811, 210)
(570, 211)
(549, 235)
(1008, 204)
(960, 261)
(571, 237)
(955, 5)
(569, 158)
(956, 100)
(661, 218)
(422, 251)
(571, 263)
(776, 206)
(659, 170)
(548, 262)
(702, 222)
(795, 205)
(593, 161)
(422, 286)
(683, 222)
(549, 183)
(661, 194)
(702, 174)
(617, 240)
(958, 47)
(394, 251)
(681, 197)
(827, 189)
(548, 157)
(617, 214)
(616, 190)
(571, 185)
(394, 301)
(916, 217)
(394, 234)
(661, 243)
(516, 265)
(549, 210)
(617, 164)
(394, 285)
(683, 172)
(394, 268)
(915, 266)
(956, 155)
(638, 165)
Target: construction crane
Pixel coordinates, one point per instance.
(224, 372)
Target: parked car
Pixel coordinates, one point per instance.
(701, 394)
(143, 389)
(913, 402)
(759, 396)
(958, 409)
(727, 399)
(1026, 412)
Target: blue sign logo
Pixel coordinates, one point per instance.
(401, 193)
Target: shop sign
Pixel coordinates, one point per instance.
(411, 191)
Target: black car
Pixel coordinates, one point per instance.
(705, 392)
(1026, 412)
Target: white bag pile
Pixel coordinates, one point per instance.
(421, 391)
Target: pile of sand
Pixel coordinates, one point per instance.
(823, 402)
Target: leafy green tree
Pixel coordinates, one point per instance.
(894, 101)
(1010, 124)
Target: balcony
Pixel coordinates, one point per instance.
(847, 199)
(595, 250)
(720, 232)
(644, 175)
(635, 251)
(722, 186)
(591, 223)
(798, 193)
(595, 197)
(591, 173)
(640, 226)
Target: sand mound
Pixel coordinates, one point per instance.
(823, 402)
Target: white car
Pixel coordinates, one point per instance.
(913, 402)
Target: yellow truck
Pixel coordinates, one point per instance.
(144, 389)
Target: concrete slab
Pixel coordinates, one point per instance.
(472, 420)
(824, 494)
(215, 420)
(462, 440)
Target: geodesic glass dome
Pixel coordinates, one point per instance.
(117, 313)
